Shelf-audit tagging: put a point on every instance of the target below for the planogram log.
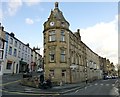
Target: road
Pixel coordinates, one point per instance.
(10, 86)
(102, 87)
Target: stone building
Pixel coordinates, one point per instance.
(2, 46)
(66, 58)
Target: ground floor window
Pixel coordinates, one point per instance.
(9, 65)
(63, 72)
(51, 72)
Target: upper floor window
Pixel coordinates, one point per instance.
(52, 55)
(10, 50)
(26, 49)
(19, 45)
(19, 54)
(23, 48)
(62, 56)
(15, 52)
(22, 55)
(52, 36)
(15, 43)
(1, 44)
(62, 36)
(11, 40)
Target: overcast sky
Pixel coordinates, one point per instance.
(97, 21)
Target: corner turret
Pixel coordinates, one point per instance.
(56, 19)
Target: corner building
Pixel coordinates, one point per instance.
(64, 52)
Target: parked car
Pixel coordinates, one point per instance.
(109, 77)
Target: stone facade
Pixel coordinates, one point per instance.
(2, 42)
(66, 57)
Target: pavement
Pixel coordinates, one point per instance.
(66, 88)
(11, 83)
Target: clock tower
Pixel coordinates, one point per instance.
(56, 20)
(56, 40)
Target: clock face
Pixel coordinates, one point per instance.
(52, 23)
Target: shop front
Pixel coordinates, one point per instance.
(22, 66)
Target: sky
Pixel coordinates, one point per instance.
(97, 21)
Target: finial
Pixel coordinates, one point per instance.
(56, 4)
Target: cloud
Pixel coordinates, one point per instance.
(32, 2)
(13, 6)
(102, 38)
(1, 15)
(29, 21)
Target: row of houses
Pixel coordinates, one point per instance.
(66, 57)
(16, 56)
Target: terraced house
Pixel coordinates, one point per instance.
(16, 56)
(2, 42)
(66, 58)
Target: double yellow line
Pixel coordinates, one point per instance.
(9, 83)
(20, 93)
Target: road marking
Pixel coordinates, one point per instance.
(10, 83)
(90, 85)
(116, 81)
(76, 91)
(96, 83)
(114, 92)
(113, 85)
(47, 94)
(70, 90)
(107, 84)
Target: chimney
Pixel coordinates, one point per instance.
(12, 34)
